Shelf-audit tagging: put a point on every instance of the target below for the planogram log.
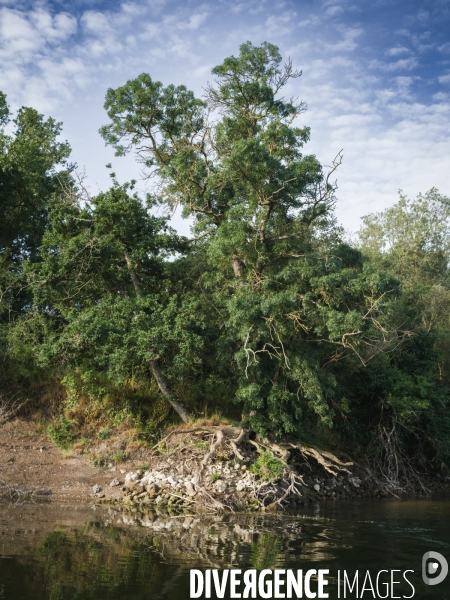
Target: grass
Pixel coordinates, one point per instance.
(104, 434)
(215, 476)
(202, 445)
(118, 457)
(267, 466)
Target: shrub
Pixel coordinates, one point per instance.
(60, 432)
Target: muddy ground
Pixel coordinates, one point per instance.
(32, 467)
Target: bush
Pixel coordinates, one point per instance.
(61, 432)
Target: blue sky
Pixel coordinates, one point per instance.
(376, 77)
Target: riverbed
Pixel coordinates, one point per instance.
(59, 552)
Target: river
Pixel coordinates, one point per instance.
(64, 553)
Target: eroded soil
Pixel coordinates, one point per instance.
(32, 467)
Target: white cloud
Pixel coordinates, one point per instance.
(348, 42)
(194, 21)
(16, 32)
(331, 11)
(97, 23)
(403, 64)
(397, 51)
(281, 24)
(441, 96)
(445, 48)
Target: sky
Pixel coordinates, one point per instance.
(375, 76)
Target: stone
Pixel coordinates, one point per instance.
(317, 487)
(96, 489)
(131, 476)
(114, 482)
(221, 486)
(153, 488)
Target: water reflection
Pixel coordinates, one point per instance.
(62, 553)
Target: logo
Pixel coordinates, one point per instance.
(431, 562)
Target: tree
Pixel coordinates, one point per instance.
(412, 238)
(410, 386)
(33, 163)
(101, 281)
(412, 241)
(283, 283)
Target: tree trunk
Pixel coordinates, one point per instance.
(166, 392)
(154, 366)
(134, 279)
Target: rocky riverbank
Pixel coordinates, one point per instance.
(208, 468)
(193, 472)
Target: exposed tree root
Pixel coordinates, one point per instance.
(327, 460)
(223, 467)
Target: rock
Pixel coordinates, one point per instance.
(114, 482)
(153, 488)
(220, 486)
(96, 489)
(317, 487)
(131, 476)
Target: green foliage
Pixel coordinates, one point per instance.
(265, 311)
(277, 291)
(104, 434)
(33, 167)
(61, 432)
(215, 476)
(267, 466)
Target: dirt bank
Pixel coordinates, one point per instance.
(192, 469)
(31, 467)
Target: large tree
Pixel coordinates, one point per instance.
(290, 298)
(33, 167)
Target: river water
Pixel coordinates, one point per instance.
(64, 553)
